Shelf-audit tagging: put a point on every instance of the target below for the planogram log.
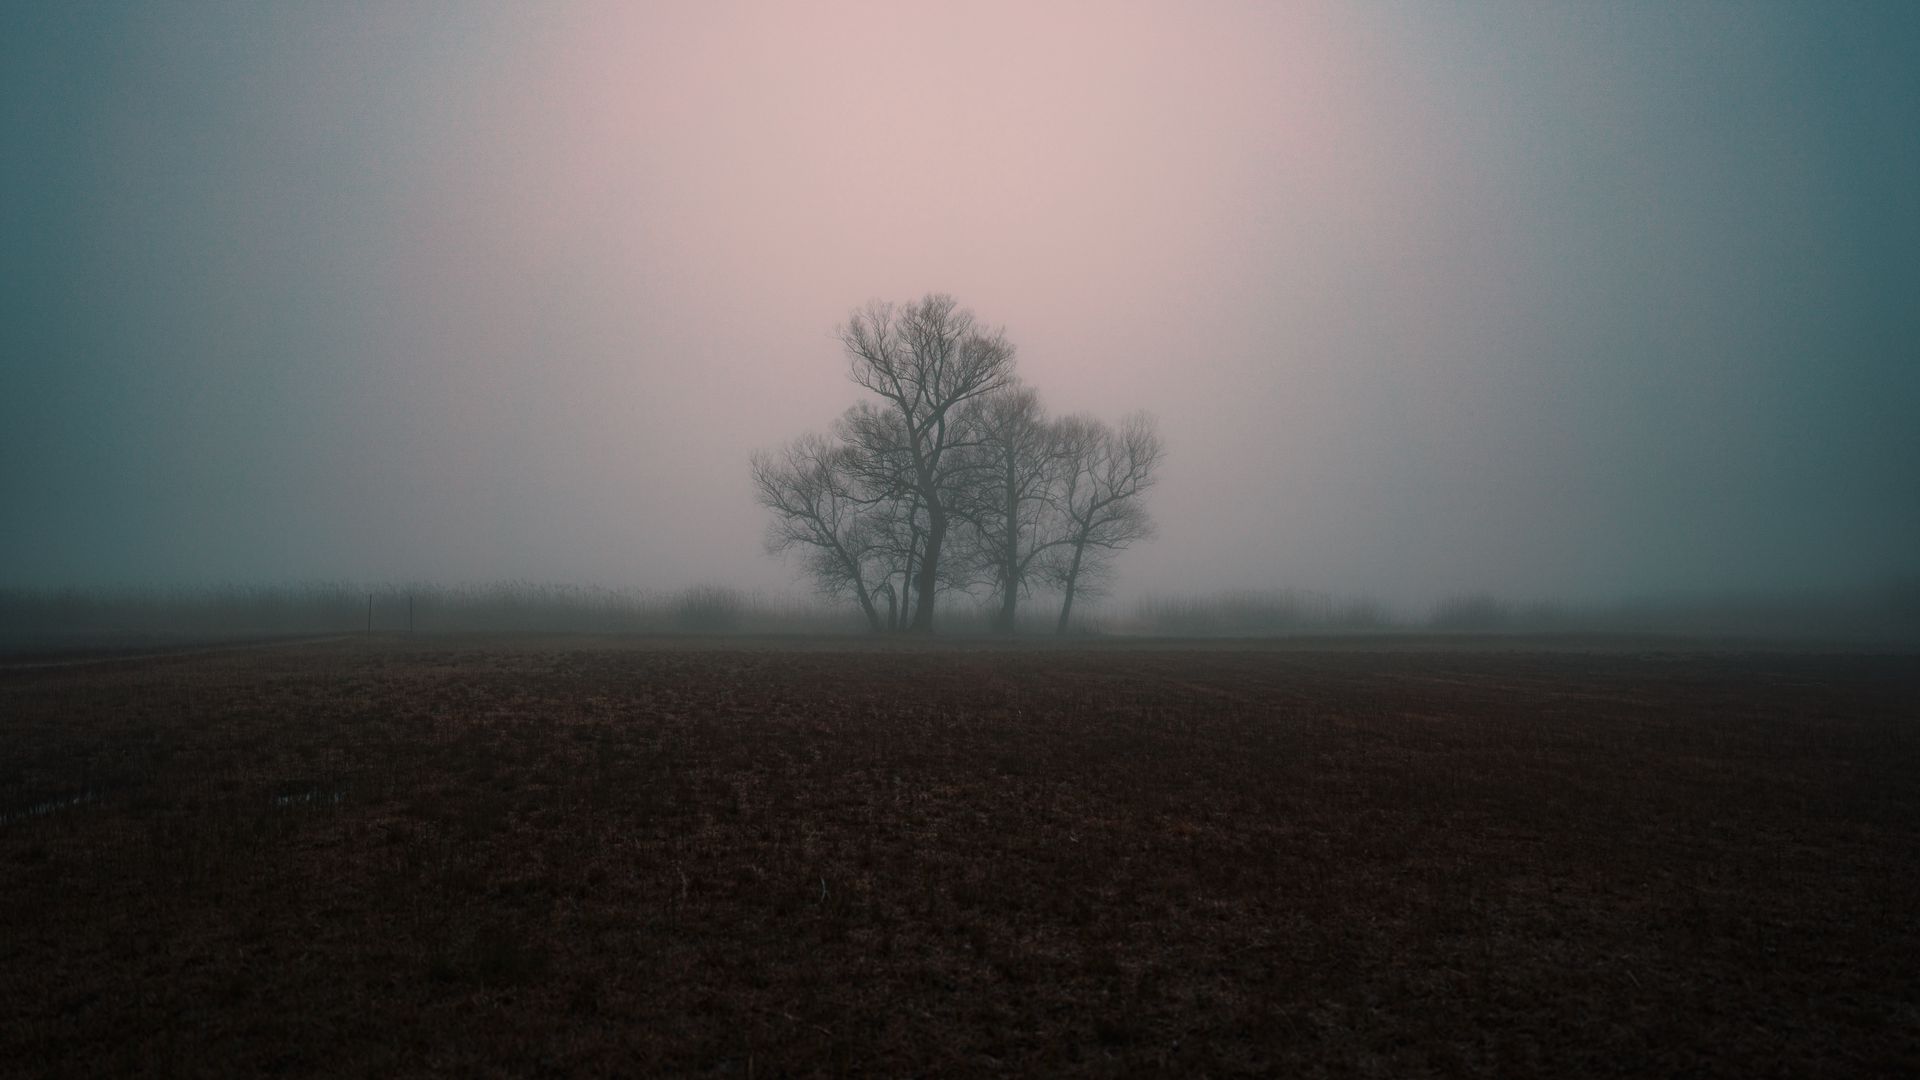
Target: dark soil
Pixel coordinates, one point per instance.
(619, 857)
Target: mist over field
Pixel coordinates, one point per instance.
(617, 538)
(1584, 303)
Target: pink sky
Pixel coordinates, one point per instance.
(1552, 299)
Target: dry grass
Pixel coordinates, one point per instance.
(615, 857)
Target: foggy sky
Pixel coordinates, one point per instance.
(1572, 300)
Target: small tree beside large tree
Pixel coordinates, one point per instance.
(1099, 501)
(1011, 504)
(951, 477)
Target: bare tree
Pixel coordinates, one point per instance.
(1013, 501)
(926, 361)
(951, 479)
(813, 488)
(877, 457)
(1106, 474)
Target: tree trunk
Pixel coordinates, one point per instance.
(1073, 578)
(866, 606)
(1010, 557)
(907, 605)
(929, 566)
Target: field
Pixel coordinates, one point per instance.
(616, 856)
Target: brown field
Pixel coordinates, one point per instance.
(578, 856)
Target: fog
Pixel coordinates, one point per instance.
(1549, 300)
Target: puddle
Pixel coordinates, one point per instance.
(49, 807)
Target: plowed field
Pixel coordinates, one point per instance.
(613, 857)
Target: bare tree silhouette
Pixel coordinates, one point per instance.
(925, 361)
(1108, 471)
(812, 487)
(1013, 504)
(952, 479)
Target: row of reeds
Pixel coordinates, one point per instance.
(252, 610)
(138, 614)
(1887, 614)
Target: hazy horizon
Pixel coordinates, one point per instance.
(1544, 300)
